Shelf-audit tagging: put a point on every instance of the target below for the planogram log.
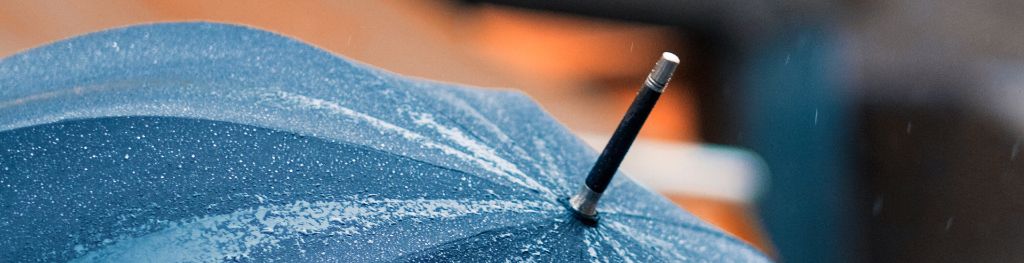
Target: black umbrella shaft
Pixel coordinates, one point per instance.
(603, 171)
(584, 203)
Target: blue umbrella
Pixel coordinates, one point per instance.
(197, 142)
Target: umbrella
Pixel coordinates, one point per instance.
(198, 142)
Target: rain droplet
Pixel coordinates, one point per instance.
(1015, 151)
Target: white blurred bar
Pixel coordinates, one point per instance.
(698, 170)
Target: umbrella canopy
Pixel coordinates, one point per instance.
(197, 142)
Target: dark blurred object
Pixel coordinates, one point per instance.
(792, 109)
(945, 185)
(941, 128)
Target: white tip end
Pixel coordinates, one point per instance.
(662, 71)
(670, 57)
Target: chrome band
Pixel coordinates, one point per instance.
(662, 72)
(585, 201)
(653, 85)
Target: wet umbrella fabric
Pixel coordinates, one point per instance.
(206, 142)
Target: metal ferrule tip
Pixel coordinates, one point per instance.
(585, 202)
(662, 72)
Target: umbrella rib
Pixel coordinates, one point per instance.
(383, 125)
(481, 152)
(489, 156)
(512, 144)
(502, 137)
(399, 156)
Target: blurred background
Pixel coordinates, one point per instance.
(818, 131)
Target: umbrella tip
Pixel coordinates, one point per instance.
(662, 71)
(584, 203)
(670, 57)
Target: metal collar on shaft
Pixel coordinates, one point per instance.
(585, 202)
(662, 72)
